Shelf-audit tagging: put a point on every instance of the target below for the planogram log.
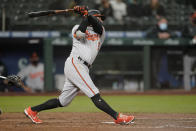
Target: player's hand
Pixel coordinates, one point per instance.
(82, 10)
(14, 80)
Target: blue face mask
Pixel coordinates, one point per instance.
(163, 26)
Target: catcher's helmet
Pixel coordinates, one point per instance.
(96, 13)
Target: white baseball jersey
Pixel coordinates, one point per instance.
(87, 48)
(76, 72)
(34, 76)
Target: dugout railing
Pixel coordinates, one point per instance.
(145, 44)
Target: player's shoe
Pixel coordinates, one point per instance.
(32, 115)
(124, 119)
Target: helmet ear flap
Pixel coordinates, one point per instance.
(96, 13)
(101, 16)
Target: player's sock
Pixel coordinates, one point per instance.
(102, 105)
(50, 104)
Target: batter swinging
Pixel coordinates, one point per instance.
(87, 40)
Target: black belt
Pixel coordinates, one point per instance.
(84, 62)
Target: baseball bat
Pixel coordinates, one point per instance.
(48, 12)
(3, 77)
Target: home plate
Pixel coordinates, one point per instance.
(109, 122)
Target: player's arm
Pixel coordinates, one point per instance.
(17, 82)
(96, 24)
(23, 74)
(80, 32)
(26, 88)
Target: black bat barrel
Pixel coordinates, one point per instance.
(41, 13)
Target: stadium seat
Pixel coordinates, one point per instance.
(177, 14)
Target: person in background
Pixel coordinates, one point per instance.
(154, 9)
(189, 59)
(119, 10)
(161, 76)
(189, 31)
(33, 74)
(134, 9)
(187, 3)
(160, 30)
(105, 8)
(5, 85)
(58, 4)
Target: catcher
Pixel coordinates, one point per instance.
(16, 81)
(87, 40)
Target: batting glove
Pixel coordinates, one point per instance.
(82, 10)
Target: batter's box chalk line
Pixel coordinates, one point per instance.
(109, 122)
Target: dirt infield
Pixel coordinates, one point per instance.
(97, 122)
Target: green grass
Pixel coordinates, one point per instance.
(135, 103)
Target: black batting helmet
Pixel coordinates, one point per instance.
(96, 13)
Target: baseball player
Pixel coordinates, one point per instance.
(87, 40)
(33, 73)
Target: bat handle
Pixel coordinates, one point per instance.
(63, 11)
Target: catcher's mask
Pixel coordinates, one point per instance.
(96, 13)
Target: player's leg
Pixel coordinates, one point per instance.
(50, 104)
(102, 105)
(68, 93)
(31, 112)
(118, 117)
(80, 77)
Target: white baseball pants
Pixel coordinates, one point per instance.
(76, 78)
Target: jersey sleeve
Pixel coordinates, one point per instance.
(102, 38)
(74, 29)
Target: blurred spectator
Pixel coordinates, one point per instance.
(3, 72)
(161, 76)
(58, 4)
(119, 10)
(160, 30)
(78, 2)
(187, 2)
(134, 9)
(34, 74)
(105, 8)
(154, 9)
(189, 31)
(189, 59)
